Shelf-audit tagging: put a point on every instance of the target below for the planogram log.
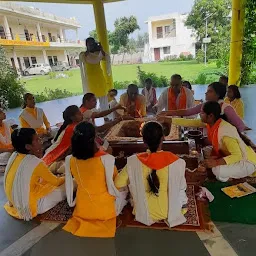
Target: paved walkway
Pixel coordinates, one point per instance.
(35, 239)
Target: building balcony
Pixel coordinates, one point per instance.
(32, 40)
(38, 14)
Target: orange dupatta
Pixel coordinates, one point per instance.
(172, 99)
(62, 148)
(137, 107)
(158, 160)
(83, 109)
(213, 136)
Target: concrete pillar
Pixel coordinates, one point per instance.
(101, 28)
(46, 61)
(39, 32)
(236, 44)
(16, 60)
(65, 56)
(7, 29)
(61, 35)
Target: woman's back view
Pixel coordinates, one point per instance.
(95, 208)
(156, 180)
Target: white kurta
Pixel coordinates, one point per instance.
(162, 103)
(33, 122)
(176, 191)
(238, 170)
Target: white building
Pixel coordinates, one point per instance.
(31, 36)
(168, 36)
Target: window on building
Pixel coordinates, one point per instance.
(43, 37)
(55, 59)
(167, 50)
(159, 32)
(12, 37)
(26, 34)
(50, 37)
(167, 30)
(2, 32)
(26, 62)
(50, 60)
(33, 60)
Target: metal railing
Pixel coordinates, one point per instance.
(34, 38)
(37, 12)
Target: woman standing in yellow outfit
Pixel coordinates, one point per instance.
(97, 201)
(30, 187)
(33, 117)
(234, 99)
(156, 181)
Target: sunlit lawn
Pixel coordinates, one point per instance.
(189, 70)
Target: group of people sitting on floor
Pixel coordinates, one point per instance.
(34, 179)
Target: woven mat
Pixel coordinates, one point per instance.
(197, 218)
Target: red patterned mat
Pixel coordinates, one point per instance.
(197, 219)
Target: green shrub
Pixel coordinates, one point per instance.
(158, 81)
(123, 84)
(69, 73)
(201, 79)
(200, 56)
(182, 57)
(49, 94)
(52, 75)
(11, 88)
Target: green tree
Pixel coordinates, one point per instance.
(11, 89)
(93, 33)
(124, 27)
(119, 38)
(141, 40)
(248, 64)
(218, 28)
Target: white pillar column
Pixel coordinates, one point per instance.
(7, 29)
(65, 56)
(61, 36)
(46, 61)
(64, 35)
(39, 32)
(16, 61)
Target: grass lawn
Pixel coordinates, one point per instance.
(189, 70)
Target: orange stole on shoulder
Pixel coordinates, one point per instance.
(83, 109)
(62, 148)
(137, 107)
(158, 160)
(213, 136)
(100, 153)
(172, 99)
